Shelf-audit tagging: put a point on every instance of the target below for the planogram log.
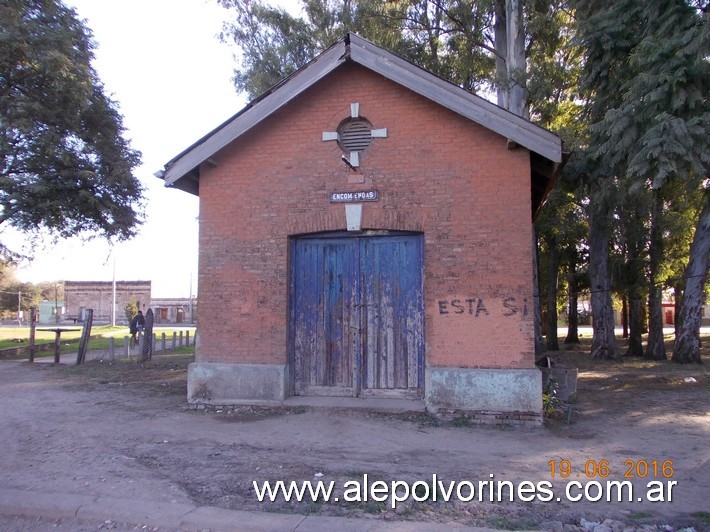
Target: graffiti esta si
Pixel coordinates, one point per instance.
(476, 307)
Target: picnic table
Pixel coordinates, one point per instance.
(58, 332)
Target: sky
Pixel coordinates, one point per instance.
(161, 61)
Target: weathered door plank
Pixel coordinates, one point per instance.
(358, 315)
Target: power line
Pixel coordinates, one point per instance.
(645, 285)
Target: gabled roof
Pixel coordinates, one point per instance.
(183, 170)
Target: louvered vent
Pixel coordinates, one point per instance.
(354, 135)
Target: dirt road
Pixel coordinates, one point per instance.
(126, 432)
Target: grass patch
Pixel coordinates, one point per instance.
(507, 523)
(373, 507)
(162, 368)
(461, 421)
(703, 517)
(101, 336)
(640, 515)
(20, 336)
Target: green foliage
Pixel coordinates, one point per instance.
(454, 39)
(680, 215)
(17, 295)
(703, 517)
(657, 125)
(64, 164)
(274, 44)
(131, 309)
(646, 80)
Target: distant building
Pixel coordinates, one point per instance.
(669, 315)
(174, 310)
(98, 295)
(48, 311)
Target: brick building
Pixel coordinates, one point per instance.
(98, 295)
(174, 310)
(366, 231)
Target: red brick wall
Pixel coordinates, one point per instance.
(436, 172)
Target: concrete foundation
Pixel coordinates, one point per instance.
(225, 384)
(493, 391)
(485, 395)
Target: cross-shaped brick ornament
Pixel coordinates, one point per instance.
(354, 135)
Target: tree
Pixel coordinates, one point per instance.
(274, 44)
(680, 218)
(687, 344)
(652, 129)
(632, 241)
(604, 344)
(130, 309)
(562, 232)
(64, 165)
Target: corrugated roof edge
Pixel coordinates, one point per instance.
(371, 56)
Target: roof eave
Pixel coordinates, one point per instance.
(453, 97)
(255, 112)
(354, 48)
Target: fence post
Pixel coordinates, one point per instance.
(111, 348)
(85, 336)
(126, 348)
(147, 347)
(154, 338)
(162, 341)
(33, 317)
(174, 340)
(187, 338)
(180, 338)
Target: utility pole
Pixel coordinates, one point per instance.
(56, 304)
(113, 300)
(19, 306)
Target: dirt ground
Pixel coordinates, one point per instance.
(126, 430)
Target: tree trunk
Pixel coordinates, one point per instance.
(655, 348)
(517, 68)
(572, 315)
(511, 68)
(552, 343)
(687, 345)
(604, 344)
(501, 46)
(634, 275)
(573, 300)
(635, 324)
(537, 307)
(678, 303)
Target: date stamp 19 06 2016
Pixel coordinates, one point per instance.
(618, 483)
(603, 469)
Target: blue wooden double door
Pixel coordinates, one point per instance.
(357, 315)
